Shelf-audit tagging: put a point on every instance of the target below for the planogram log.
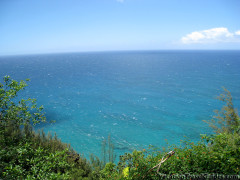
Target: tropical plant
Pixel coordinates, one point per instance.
(227, 119)
(26, 154)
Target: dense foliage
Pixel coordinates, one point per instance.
(26, 154)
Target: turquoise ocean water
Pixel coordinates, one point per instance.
(140, 97)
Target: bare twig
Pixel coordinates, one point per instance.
(164, 158)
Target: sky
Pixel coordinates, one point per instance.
(52, 26)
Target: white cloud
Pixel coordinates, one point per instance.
(237, 32)
(121, 1)
(213, 35)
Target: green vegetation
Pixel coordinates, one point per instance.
(26, 154)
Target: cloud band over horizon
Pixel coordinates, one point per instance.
(214, 35)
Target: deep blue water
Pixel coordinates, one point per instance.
(140, 98)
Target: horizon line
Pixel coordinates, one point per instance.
(109, 51)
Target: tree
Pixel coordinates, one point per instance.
(21, 112)
(25, 154)
(227, 119)
(16, 115)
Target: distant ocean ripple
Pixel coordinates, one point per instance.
(140, 98)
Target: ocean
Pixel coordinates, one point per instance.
(140, 98)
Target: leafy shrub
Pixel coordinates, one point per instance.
(26, 154)
(23, 161)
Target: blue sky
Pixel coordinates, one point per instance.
(50, 26)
